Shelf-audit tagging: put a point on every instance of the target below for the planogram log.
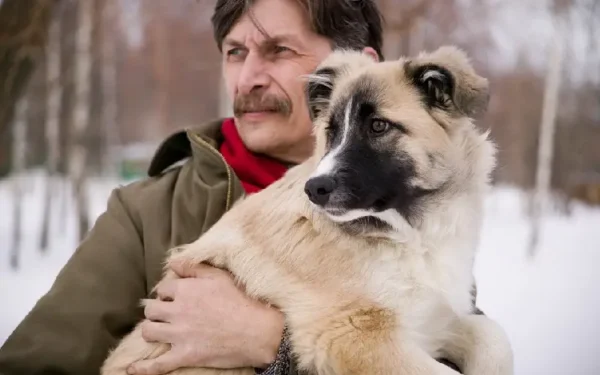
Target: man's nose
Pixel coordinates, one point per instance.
(254, 74)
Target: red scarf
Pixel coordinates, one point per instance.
(254, 171)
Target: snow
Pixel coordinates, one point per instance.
(549, 306)
(20, 290)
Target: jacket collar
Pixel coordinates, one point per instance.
(201, 146)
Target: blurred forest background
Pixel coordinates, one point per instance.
(89, 87)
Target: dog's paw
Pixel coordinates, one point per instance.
(490, 351)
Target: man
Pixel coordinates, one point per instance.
(266, 45)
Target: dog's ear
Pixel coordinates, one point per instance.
(318, 90)
(448, 81)
(321, 82)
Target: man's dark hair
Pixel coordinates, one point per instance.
(351, 24)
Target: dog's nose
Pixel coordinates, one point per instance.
(319, 189)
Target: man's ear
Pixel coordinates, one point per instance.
(448, 82)
(369, 51)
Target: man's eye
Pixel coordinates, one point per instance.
(280, 49)
(233, 51)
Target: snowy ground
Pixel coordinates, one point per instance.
(550, 307)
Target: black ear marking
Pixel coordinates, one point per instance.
(448, 82)
(318, 90)
(436, 84)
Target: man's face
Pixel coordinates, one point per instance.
(263, 78)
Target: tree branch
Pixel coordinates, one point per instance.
(23, 34)
(409, 17)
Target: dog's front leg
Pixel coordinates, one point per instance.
(360, 342)
(134, 348)
(479, 345)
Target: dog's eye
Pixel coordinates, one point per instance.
(379, 126)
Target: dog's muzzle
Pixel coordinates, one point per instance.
(319, 189)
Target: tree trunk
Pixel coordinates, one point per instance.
(543, 178)
(109, 86)
(53, 108)
(161, 64)
(18, 167)
(81, 110)
(225, 105)
(23, 33)
(398, 31)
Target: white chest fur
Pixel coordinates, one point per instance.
(426, 288)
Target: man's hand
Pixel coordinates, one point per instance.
(209, 322)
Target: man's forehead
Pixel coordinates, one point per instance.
(272, 21)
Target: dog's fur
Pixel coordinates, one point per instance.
(368, 247)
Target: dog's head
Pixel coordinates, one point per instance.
(394, 136)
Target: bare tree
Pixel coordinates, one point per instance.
(18, 167)
(109, 84)
(81, 110)
(23, 32)
(225, 106)
(161, 63)
(53, 107)
(542, 190)
(401, 17)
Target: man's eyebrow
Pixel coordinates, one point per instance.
(283, 38)
(271, 39)
(232, 42)
(268, 42)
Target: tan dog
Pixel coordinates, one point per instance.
(368, 247)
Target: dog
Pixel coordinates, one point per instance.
(368, 246)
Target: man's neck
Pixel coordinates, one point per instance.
(293, 155)
(288, 159)
(285, 160)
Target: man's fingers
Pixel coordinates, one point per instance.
(157, 332)
(166, 289)
(167, 362)
(158, 310)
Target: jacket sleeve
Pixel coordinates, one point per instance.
(284, 363)
(93, 302)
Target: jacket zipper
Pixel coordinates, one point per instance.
(201, 142)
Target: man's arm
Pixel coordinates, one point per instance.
(92, 304)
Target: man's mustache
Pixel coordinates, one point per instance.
(261, 103)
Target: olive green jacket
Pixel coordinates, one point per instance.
(95, 299)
